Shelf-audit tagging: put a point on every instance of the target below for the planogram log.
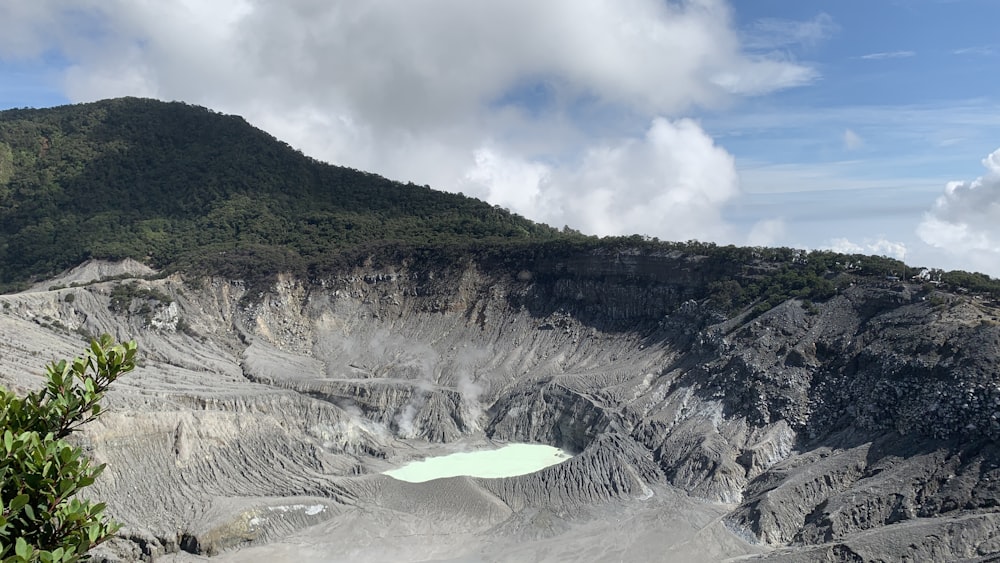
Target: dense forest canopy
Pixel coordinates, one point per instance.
(182, 187)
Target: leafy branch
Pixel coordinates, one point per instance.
(40, 473)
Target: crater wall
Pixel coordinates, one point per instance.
(259, 414)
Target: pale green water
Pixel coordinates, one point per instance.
(508, 461)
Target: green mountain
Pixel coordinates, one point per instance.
(171, 183)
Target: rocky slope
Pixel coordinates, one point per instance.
(861, 427)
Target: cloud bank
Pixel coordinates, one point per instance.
(965, 220)
(876, 247)
(672, 183)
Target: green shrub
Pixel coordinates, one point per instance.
(41, 519)
(123, 295)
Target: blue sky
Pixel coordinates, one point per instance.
(906, 102)
(909, 78)
(856, 125)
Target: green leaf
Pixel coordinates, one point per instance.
(21, 548)
(18, 503)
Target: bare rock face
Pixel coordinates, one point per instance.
(547, 413)
(258, 424)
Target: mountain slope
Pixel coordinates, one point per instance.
(161, 181)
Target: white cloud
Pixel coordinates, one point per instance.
(766, 75)
(982, 50)
(965, 220)
(510, 182)
(852, 141)
(768, 232)
(888, 55)
(411, 64)
(670, 184)
(22, 29)
(775, 33)
(877, 247)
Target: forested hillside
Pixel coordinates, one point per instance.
(162, 182)
(182, 187)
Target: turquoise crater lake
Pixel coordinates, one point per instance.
(508, 461)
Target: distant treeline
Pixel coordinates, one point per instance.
(733, 277)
